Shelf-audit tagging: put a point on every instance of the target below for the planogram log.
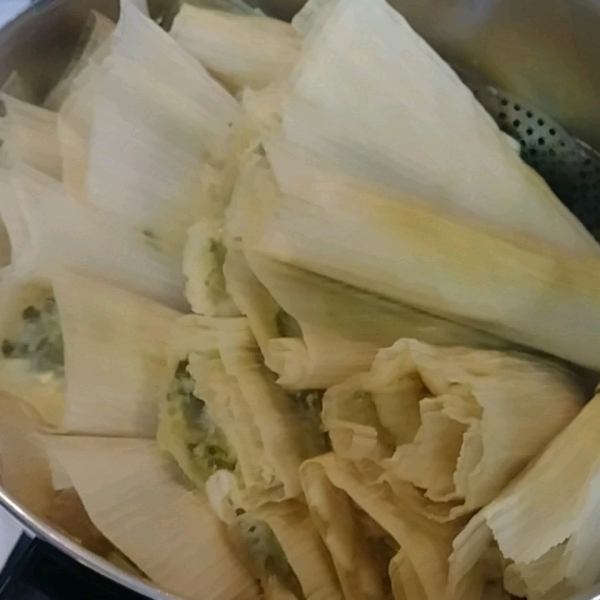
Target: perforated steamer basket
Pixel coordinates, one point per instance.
(533, 64)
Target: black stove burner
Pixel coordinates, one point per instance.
(37, 571)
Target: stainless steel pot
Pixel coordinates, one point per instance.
(547, 51)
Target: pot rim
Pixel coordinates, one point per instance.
(41, 530)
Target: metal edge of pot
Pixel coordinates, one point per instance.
(38, 528)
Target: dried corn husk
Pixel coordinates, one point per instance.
(74, 129)
(361, 575)
(318, 360)
(47, 231)
(136, 500)
(401, 513)
(114, 355)
(24, 472)
(558, 488)
(94, 44)
(259, 421)
(311, 17)
(67, 514)
(240, 50)
(158, 116)
(18, 88)
(282, 549)
(391, 245)
(457, 423)
(361, 325)
(30, 135)
(411, 124)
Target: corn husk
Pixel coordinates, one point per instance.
(157, 117)
(361, 574)
(115, 356)
(47, 231)
(74, 99)
(282, 549)
(405, 582)
(166, 157)
(317, 360)
(401, 513)
(137, 501)
(74, 130)
(30, 135)
(364, 324)
(457, 423)
(258, 419)
(24, 472)
(391, 245)
(94, 44)
(557, 488)
(18, 88)
(139, 40)
(67, 514)
(413, 125)
(226, 44)
(310, 18)
(197, 337)
(251, 297)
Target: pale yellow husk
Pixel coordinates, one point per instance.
(369, 96)
(402, 516)
(115, 356)
(30, 135)
(228, 46)
(456, 422)
(342, 229)
(558, 488)
(138, 502)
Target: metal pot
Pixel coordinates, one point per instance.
(545, 50)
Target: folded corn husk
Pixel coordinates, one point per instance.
(559, 488)
(67, 514)
(362, 323)
(74, 99)
(260, 422)
(157, 117)
(393, 112)
(74, 129)
(114, 355)
(318, 360)
(457, 423)
(239, 50)
(47, 231)
(218, 279)
(30, 135)
(24, 472)
(137, 501)
(319, 357)
(310, 18)
(402, 517)
(282, 549)
(94, 43)
(361, 574)
(341, 229)
(18, 88)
